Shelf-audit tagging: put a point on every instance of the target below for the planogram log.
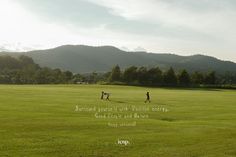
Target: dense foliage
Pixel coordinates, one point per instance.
(155, 76)
(23, 70)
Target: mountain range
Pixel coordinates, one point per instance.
(86, 59)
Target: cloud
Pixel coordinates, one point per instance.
(140, 49)
(198, 20)
(198, 15)
(203, 24)
(185, 26)
(73, 12)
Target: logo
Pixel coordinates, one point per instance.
(123, 142)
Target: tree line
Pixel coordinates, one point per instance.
(156, 77)
(23, 70)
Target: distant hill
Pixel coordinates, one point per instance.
(84, 59)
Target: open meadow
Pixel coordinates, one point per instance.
(72, 121)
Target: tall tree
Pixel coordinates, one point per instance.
(68, 76)
(170, 77)
(115, 74)
(184, 78)
(130, 74)
(197, 78)
(142, 76)
(210, 78)
(155, 76)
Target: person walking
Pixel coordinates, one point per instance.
(148, 98)
(108, 95)
(102, 95)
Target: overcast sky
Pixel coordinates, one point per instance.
(183, 27)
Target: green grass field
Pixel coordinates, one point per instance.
(41, 121)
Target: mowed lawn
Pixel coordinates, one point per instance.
(40, 120)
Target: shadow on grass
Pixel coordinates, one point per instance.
(168, 119)
(120, 102)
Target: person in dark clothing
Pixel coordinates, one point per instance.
(148, 98)
(102, 95)
(105, 94)
(108, 94)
